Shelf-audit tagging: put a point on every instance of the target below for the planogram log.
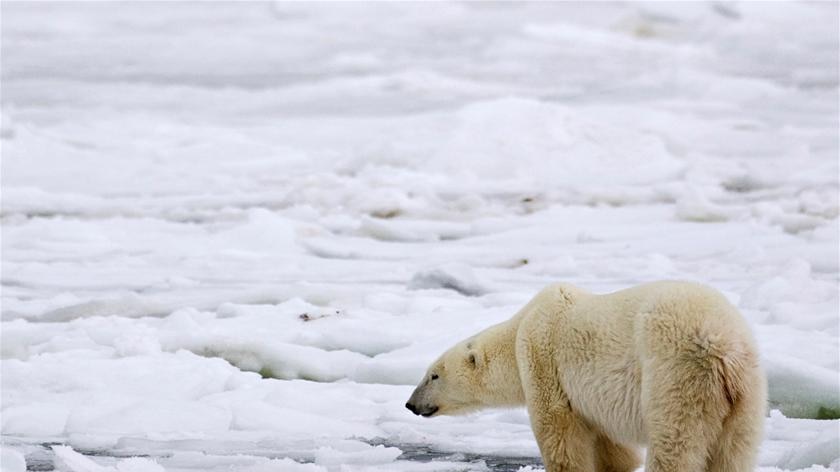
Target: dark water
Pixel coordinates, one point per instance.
(421, 453)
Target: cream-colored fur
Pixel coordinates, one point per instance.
(670, 365)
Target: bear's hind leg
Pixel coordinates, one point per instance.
(613, 457)
(684, 416)
(736, 447)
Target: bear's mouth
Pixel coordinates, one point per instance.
(429, 412)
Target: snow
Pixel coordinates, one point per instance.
(235, 235)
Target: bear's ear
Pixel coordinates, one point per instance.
(472, 359)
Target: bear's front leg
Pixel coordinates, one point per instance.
(566, 443)
(614, 457)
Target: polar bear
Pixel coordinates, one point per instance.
(669, 365)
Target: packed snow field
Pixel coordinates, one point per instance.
(235, 235)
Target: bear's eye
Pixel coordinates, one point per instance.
(471, 359)
(434, 376)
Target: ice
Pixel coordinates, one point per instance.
(68, 460)
(353, 452)
(235, 236)
(459, 278)
(12, 460)
(817, 439)
(802, 390)
(38, 419)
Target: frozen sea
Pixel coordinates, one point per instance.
(235, 234)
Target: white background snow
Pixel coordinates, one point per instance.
(235, 234)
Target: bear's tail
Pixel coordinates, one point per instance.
(736, 366)
(733, 370)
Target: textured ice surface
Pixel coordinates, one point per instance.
(235, 235)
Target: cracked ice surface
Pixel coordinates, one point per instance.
(234, 235)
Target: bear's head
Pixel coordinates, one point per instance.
(451, 385)
(475, 373)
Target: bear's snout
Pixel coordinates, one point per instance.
(426, 410)
(422, 401)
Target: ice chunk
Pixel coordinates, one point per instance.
(355, 453)
(37, 419)
(68, 460)
(414, 230)
(824, 451)
(802, 390)
(183, 417)
(11, 460)
(695, 206)
(456, 277)
(553, 146)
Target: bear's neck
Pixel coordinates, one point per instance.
(504, 370)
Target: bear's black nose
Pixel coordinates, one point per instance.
(412, 408)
